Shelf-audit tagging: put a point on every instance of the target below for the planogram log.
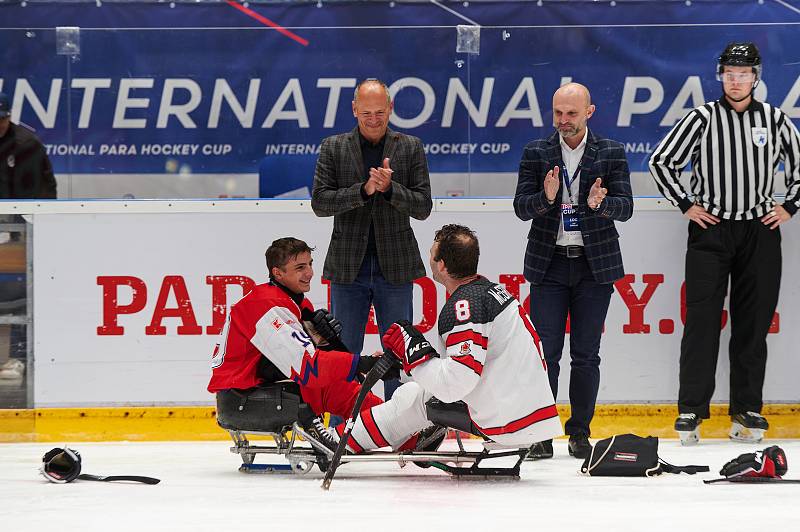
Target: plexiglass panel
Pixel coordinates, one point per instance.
(216, 100)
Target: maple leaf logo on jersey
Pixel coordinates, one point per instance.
(464, 349)
(277, 324)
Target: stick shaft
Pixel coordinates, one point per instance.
(122, 478)
(374, 375)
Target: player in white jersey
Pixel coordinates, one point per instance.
(493, 360)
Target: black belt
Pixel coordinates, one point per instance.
(571, 252)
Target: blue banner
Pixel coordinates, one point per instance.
(139, 98)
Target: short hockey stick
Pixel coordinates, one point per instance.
(123, 478)
(752, 480)
(383, 365)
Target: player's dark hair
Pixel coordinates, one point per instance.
(282, 250)
(458, 248)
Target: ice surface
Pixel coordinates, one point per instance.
(201, 489)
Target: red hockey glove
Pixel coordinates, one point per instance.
(771, 464)
(407, 343)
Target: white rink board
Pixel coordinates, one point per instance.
(76, 366)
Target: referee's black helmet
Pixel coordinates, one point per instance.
(740, 54)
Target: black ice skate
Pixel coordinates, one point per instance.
(687, 426)
(540, 451)
(748, 427)
(429, 439)
(324, 440)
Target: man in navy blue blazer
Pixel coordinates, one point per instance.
(572, 186)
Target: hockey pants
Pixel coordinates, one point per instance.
(333, 387)
(393, 423)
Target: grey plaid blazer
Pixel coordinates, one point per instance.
(337, 192)
(603, 158)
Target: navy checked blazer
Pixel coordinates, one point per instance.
(602, 158)
(337, 192)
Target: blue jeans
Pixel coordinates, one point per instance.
(569, 287)
(350, 303)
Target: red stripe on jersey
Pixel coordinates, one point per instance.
(534, 417)
(536, 340)
(463, 336)
(351, 442)
(470, 362)
(372, 428)
(528, 325)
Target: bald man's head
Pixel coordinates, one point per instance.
(372, 107)
(371, 85)
(572, 90)
(572, 108)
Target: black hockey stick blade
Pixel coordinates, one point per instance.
(121, 478)
(752, 480)
(378, 370)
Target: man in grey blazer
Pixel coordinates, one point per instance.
(372, 180)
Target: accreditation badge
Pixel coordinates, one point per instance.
(759, 135)
(569, 214)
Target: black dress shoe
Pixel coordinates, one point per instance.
(579, 446)
(540, 451)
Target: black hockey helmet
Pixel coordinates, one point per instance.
(61, 465)
(740, 54)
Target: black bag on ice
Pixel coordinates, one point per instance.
(629, 455)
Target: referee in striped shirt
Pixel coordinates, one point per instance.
(735, 145)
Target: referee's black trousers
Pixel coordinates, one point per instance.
(750, 254)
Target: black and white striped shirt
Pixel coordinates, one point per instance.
(735, 158)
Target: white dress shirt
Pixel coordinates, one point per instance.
(572, 158)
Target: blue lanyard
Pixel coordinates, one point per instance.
(568, 182)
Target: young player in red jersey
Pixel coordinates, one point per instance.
(273, 333)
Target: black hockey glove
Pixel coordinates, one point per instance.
(408, 344)
(365, 364)
(327, 325)
(324, 329)
(61, 465)
(771, 464)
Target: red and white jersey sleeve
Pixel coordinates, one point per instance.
(280, 336)
(493, 363)
(454, 375)
(267, 323)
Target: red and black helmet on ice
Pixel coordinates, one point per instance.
(61, 465)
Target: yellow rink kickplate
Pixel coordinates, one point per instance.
(199, 423)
